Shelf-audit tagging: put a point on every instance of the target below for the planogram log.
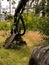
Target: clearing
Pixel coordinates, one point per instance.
(20, 56)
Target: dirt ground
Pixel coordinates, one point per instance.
(3, 35)
(33, 38)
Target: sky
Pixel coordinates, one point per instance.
(5, 5)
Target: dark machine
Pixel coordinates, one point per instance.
(40, 55)
(16, 30)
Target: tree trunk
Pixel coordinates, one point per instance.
(10, 6)
(0, 6)
(47, 7)
(43, 8)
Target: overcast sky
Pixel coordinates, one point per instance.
(5, 5)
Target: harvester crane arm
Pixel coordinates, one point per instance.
(19, 10)
(15, 32)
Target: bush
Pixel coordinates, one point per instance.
(9, 17)
(5, 25)
(37, 23)
(43, 25)
(32, 22)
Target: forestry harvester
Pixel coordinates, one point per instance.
(40, 55)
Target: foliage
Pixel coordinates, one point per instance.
(8, 17)
(37, 23)
(5, 25)
(32, 22)
(41, 6)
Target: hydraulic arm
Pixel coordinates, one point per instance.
(15, 31)
(18, 16)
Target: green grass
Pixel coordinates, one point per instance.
(14, 56)
(5, 25)
(17, 56)
(21, 56)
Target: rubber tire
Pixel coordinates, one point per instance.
(40, 56)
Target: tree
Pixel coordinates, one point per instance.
(9, 6)
(11, 2)
(47, 8)
(40, 6)
(34, 7)
(37, 7)
(0, 6)
(43, 9)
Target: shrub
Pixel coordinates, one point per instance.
(32, 22)
(37, 23)
(5, 25)
(43, 25)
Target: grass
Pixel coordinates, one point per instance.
(19, 56)
(5, 25)
(14, 57)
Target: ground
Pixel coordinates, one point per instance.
(20, 56)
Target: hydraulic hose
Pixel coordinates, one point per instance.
(23, 24)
